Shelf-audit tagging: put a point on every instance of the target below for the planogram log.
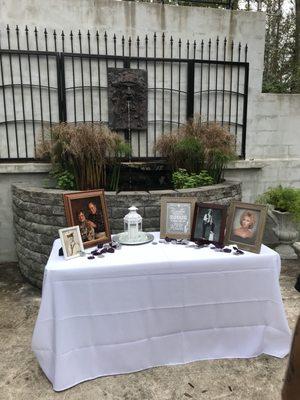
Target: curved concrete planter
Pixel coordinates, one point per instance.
(286, 232)
(39, 213)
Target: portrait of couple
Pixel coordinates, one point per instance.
(90, 222)
(88, 211)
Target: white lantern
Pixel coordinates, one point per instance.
(133, 224)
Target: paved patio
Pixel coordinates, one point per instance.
(22, 379)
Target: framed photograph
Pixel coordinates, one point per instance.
(71, 242)
(88, 210)
(245, 225)
(176, 217)
(209, 222)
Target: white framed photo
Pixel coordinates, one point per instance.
(71, 242)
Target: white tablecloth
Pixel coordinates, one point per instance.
(148, 305)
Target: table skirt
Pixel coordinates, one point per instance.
(156, 305)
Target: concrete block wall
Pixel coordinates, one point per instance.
(274, 127)
(14, 174)
(39, 213)
(273, 146)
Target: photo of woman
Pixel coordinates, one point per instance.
(245, 226)
(87, 231)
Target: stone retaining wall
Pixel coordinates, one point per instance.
(39, 213)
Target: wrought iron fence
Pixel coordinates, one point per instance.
(223, 3)
(45, 81)
(254, 5)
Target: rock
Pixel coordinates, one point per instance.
(286, 252)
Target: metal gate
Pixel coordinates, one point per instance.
(42, 87)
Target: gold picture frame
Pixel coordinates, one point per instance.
(176, 217)
(88, 210)
(245, 225)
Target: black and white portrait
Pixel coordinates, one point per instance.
(209, 222)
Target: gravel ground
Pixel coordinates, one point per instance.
(21, 378)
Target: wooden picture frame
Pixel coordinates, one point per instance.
(245, 225)
(176, 217)
(209, 223)
(71, 242)
(88, 210)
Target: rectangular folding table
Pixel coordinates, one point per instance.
(152, 305)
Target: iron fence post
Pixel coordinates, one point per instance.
(245, 110)
(127, 135)
(61, 87)
(190, 89)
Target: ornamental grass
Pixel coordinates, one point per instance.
(84, 150)
(198, 146)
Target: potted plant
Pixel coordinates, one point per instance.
(284, 210)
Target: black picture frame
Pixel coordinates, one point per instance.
(209, 223)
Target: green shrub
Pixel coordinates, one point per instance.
(65, 180)
(189, 154)
(282, 199)
(198, 146)
(183, 180)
